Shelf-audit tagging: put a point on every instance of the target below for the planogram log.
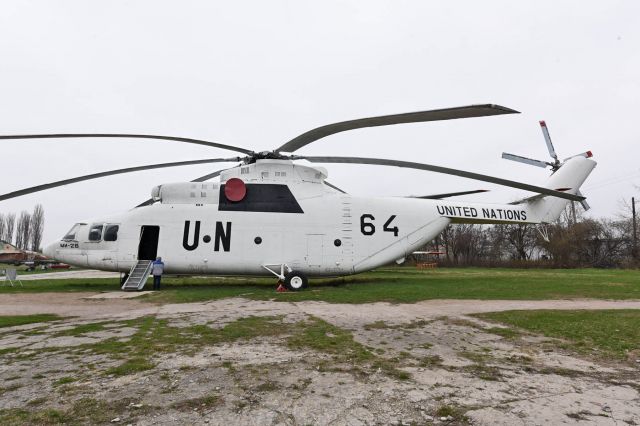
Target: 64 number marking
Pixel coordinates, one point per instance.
(368, 228)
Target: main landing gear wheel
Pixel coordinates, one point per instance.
(296, 281)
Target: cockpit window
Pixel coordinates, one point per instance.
(95, 232)
(111, 232)
(71, 235)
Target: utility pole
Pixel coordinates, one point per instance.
(634, 246)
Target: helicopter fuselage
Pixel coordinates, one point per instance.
(284, 215)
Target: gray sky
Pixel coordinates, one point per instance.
(256, 74)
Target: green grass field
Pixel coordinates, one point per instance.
(613, 333)
(398, 285)
(12, 321)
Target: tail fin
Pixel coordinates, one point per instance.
(571, 175)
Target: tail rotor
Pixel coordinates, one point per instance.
(554, 164)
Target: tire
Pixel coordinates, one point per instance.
(296, 281)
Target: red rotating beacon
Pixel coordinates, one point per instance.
(235, 190)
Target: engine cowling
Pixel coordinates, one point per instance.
(187, 193)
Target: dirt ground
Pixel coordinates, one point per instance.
(433, 364)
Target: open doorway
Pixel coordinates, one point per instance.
(148, 248)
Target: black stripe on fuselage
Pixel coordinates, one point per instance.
(262, 197)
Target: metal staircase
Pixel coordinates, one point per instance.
(138, 276)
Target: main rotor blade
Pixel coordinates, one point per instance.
(444, 170)
(584, 203)
(387, 120)
(525, 160)
(449, 194)
(334, 187)
(200, 179)
(547, 139)
(110, 173)
(122, 135)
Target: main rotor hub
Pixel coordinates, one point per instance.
(265, 155)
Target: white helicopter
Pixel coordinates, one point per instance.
(271, 215)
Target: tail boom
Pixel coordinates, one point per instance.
(537, 209)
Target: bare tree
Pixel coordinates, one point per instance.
(3, 227)
(600, 243)
(464, 243)
(521, 239)
(23, 230)
(10, 222)
(37, 227)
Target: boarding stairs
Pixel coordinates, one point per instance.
(138, 276)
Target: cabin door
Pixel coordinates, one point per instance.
(148, 247)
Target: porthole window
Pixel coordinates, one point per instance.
(257, 240)
(337, 242)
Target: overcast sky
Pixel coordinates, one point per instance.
(257, 73)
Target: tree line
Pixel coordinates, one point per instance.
(24, 231)
(571, 241)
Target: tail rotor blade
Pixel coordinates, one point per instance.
(524, 160)
(587, 154)
(547, 139)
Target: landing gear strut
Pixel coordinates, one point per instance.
(293, 280)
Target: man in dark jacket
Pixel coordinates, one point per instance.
(157, 269)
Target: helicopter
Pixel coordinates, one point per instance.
(271, 215)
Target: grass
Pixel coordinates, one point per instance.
(154, 336)
(455, 413)
(613, 333)
(321, 336)
(131, 366)
(83, 411)
(201, 403)
(64, 380)
(381, 325)
(394, 284)
(15, 320)
(82, 329)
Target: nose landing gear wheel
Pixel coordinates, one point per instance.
(296, 281)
